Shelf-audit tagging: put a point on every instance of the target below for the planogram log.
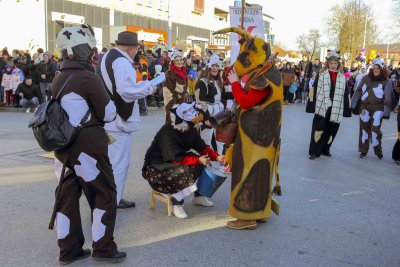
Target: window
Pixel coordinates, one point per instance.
(199, 6)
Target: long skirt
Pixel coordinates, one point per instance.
(322, 135)
(396, 148)
(172, 179)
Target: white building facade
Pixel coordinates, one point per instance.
(192, 21)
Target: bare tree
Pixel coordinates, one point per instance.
(396, 20)
(346, 25)
(309, 43)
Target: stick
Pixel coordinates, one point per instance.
(242, 22)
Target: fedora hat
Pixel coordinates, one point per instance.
(127, 38)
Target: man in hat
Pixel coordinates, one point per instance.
(119, 76)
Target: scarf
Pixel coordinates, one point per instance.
(324, 101)
(180, 72)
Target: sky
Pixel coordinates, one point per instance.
(293, 17)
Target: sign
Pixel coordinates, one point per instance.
(69, 18)
(253, 23)
(149, 36)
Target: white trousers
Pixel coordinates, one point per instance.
(120, 155)
(207, 135)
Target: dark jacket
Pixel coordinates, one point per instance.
(29, 91)
(46, 69)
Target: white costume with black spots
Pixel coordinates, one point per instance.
(119, 77)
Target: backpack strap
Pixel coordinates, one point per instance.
(83, 120)
(63, 86)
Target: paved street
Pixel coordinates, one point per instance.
(339, 211)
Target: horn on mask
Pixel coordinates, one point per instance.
(235, 30)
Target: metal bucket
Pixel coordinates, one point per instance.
(210, 180)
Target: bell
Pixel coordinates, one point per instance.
(221, 118)
(111, 139)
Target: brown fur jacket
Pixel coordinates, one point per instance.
(175, 91)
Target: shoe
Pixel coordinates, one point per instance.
(179, 211)
(119, 257)
(362, 155)
(380, 156)
(125, 204)
(203, 201)
(85, 254)
(312, 157)
(328, 154)
(28, 110)
(242, 224)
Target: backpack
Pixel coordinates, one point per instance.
(50, 124)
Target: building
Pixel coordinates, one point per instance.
(192, 21)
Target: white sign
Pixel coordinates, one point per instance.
(69, 18)
(148, 36)
(253, 23)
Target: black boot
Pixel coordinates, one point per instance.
(119, 257)
(85, 254)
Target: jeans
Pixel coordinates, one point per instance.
(45, 90)
(26, 103)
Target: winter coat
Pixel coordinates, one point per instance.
(288, 77)
(29, 91)
(46, 69)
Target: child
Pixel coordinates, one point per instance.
(16, 79)
(159, 93)
(192, 80)
(6, 83)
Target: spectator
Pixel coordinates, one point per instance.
(28, 93)
(6, 84)
(288, 77)
(46, 72)
(317, 66)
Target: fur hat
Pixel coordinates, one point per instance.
(214, 60)
(182, 114)
(378, 61)
(334, 55)
(176, 53)
(77, 41)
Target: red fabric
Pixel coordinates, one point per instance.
(190, 160)
(181, 72)
(193, 160)
(248, 99)
(211, 153)
(333, 76)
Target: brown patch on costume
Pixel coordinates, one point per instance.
(243, 58)
(277, 140)
(270, 76)
(267, 48)
(261, 125)
(237, 161)
(254, 193)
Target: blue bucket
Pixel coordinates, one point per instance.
(210, 180)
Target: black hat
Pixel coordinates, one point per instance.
(127, 38)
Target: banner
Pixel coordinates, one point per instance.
(253, 23)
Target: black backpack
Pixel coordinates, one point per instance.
(51, 126)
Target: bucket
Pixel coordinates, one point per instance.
(210, 180)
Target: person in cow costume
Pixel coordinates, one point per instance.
(255, 152)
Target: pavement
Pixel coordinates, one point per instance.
(338, 211)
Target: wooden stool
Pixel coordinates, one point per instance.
(156, 195)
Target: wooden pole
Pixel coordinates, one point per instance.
(241, 24)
